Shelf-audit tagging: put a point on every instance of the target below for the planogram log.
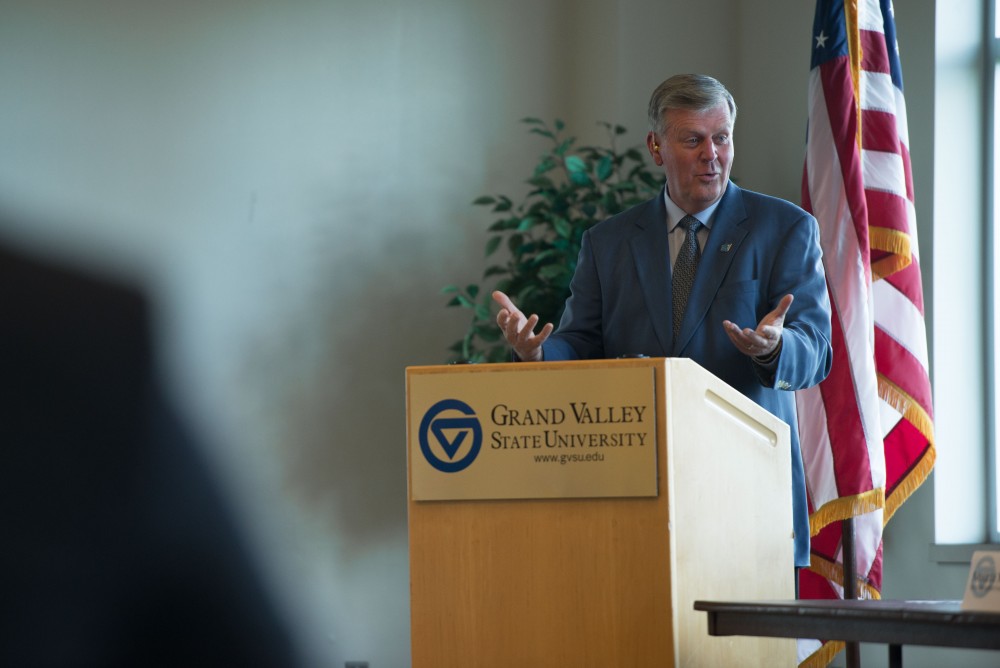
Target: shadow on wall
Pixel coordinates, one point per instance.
(344, 432)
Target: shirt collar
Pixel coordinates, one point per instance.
(675, 213)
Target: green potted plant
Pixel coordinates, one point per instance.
(571, 190)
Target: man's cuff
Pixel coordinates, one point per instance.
(769, 361)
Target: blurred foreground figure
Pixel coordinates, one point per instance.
(117, 549)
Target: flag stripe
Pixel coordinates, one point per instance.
(890, 208)
(907, 282)
(890, 417)
(884, 171)
(900, 456)
(879, 132)
(851, 466)
(875, 57)
(819, 467)
(901, 320)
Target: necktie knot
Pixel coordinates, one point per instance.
(690, 225)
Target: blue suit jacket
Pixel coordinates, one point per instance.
(760, 248)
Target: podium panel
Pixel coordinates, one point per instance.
(495, 436)
(564, 580)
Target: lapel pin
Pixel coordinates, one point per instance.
(725, 248)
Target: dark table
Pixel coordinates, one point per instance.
(896, 623)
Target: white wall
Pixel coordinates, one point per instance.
(294, 181)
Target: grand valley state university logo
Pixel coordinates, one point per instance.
(450, 423)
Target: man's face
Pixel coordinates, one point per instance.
(696, 153)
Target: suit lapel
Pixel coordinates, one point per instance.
(651, 251)
(723, 243)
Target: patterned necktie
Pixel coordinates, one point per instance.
(684, 268)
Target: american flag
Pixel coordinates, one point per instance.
(867, 430)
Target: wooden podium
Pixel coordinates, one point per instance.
(525, 568)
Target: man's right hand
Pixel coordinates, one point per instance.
(520, 331)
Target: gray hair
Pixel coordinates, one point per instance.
(694, 92)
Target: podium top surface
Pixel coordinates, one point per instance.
(530, 366)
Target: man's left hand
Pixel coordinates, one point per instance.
(763, 341)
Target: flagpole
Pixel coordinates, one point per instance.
(850, 579)
(852, 650)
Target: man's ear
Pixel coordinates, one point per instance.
(653, 144)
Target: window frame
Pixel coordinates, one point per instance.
(991, 72)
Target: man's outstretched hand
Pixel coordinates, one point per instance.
(519, 330)
(763, 341)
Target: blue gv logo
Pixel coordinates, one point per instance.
(450, 433)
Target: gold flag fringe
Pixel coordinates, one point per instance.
(888, 266)
(845, 507)
(889, 241)
(913, 480)
(834, 572)
(912, 411)
(823, 656)
(898, 398)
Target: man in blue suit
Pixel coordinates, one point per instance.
(758, 313)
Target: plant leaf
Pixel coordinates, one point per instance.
(514, 242)
(546, 164)
(542, 182)
(551, 271)
(566, 144)
(605, 168)
(493, 244)
(563, 227)
(490, 334)
(575, 163)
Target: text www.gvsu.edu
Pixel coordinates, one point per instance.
(569, 459)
